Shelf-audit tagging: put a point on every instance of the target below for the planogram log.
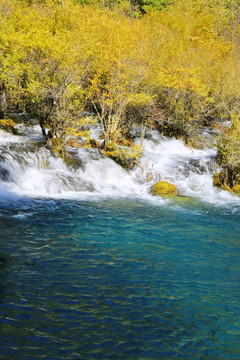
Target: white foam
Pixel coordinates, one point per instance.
(40, 174)
(6, 138)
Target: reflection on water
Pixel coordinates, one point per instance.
(120, 280)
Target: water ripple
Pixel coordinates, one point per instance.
(120, 280)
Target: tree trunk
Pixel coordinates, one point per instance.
(3, 100)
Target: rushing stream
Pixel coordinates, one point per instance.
(95, 267)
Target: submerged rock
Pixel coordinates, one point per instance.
(164, 188)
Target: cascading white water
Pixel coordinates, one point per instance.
(28, 169)
(189, 169)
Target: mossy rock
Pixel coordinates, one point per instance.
(236, 188)
(72, 142)
(126, 162)
(164, 188)
(91, 144)
(125, 157)
(8, 125)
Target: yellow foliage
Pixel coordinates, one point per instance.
(58, 58)
(8, 125)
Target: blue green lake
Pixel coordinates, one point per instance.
(119, 279)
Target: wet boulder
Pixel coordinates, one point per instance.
(164, 188)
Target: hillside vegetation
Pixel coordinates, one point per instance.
(171, 65)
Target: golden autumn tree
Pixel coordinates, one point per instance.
(179, 66)
(118, 71)
(43, 66)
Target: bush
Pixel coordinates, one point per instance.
(228, 155)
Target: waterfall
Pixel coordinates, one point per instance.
(28, 169)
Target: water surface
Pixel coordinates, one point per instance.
(119, 279)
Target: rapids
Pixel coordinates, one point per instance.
(28, 169)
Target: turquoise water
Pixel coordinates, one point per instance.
(119, 279)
